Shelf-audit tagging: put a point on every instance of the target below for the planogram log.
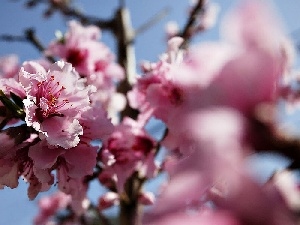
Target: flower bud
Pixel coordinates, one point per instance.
(107, 200)
(147, 198)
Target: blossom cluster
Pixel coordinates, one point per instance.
(59, 117)
(61, 125)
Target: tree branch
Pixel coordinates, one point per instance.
(187, 31)
(124, 34)
(29, 37)
(72, 12)
(32, 38)
(12, 38)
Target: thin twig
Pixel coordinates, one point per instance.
(72, 12)
(12, 38)
(29, 37)
(125, 36)
(65, 8)
(187, 30)
(32, 38)
(156, 18)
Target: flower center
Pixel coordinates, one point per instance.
(100, 65)
(175, 95)
(47, 99)
(137, 150)
(76, 56)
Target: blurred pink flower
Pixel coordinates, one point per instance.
(219, 73)
(93, 60)
(50, 205)
(107, 200)
(128, 149)
(9, 66)
(205, 218)
(210, 174)
(70, 171)
(15, 162)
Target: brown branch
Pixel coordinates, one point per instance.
(264, 139)
(65, 8)
(72, 12)
(32, 38)
(187, 31)
(12, 38)
(29, 37)
(124, 35)
(130, 209)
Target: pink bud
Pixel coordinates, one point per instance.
(210, 15)
(107, 200)
(172, 29)
(147, 198)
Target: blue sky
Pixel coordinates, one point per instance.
(15, 209)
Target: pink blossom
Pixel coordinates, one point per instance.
(80, 47)
(219, 73)
(15, 162)
(287, 185)
(93, 60)
(207, 155)
(157, 80)
(70, 171)
(259, 206)
(96, 124)
(172, 29)
(45, 156)
(54, 100)
(107, 200)
(126, 151)
(210, 175)
(8, 85)
(50, 205)
(207, 18)
(147, 198)
(207, 218)
(241, 31)
(221, 128)
(9, 66)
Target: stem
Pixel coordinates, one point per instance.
(130, 209)
(32, 38)
(28, 36)
(130, 213)
(187, 32)
(126, 56)
(84, 19)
